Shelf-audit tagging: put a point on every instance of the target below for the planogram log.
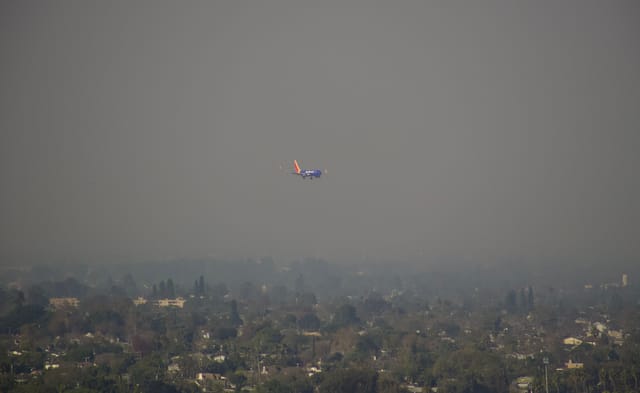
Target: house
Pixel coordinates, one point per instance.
(414, 389)
(312, 370)
(203, 379)
(139, 301)
(600, 327)
(521, 356)
(581, 321)
(64, 302)
(177, 302)
(209, 377)
(616, 336)
(572, 341)
(571, 365)
(522, 385)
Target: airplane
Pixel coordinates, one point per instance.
(305, 173)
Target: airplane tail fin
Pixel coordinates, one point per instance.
(296, 166)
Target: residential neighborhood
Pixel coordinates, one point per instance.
(271, 337)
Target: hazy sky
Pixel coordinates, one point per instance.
(135, 130)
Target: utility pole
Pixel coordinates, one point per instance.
(545, 360)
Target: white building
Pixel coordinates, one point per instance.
(177, 302)
(572, 341)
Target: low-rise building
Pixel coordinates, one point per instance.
(62, 302)
(571, 365)
(617, 336)
(522, 385)
(139, 301)
(572, 341)
(204, 379)
(177, 302)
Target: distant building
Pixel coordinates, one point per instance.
(572, 341)
(522, 385)
(571, 365)
(62, 302)
(209, 377)
(204, 379)
(625, 280)
(581, 321)
(139, 301)
(600, 327)
(312, 370)
(414, 389)
(177, 302)
(591, 340)
(617, 336)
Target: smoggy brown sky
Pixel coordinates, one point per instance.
(470, 129)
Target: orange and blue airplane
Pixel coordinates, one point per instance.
(305, 173)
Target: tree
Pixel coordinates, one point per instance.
(22, 315)
(159, 387)
(201, 287)
(249, 292)
(162, 289)
(309, 321)
(287, 383)
(225, 333)
(234, 316)
(147, 370)
(349, 381)
(142, 343)
(387, 384)
(219, 291)
(278, 294)
(129, 285)
(171, 291)
(470, 370)
(274, 386)
(345, 315)
(523, 301)
(289, 321)
(307, 300)
(299, 284)
(451, 329)
(510, 301)
(366, 347)
(268, 337)
(36, 295)
(375, 304)
(238, 379)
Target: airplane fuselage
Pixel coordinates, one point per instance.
(309, 173)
